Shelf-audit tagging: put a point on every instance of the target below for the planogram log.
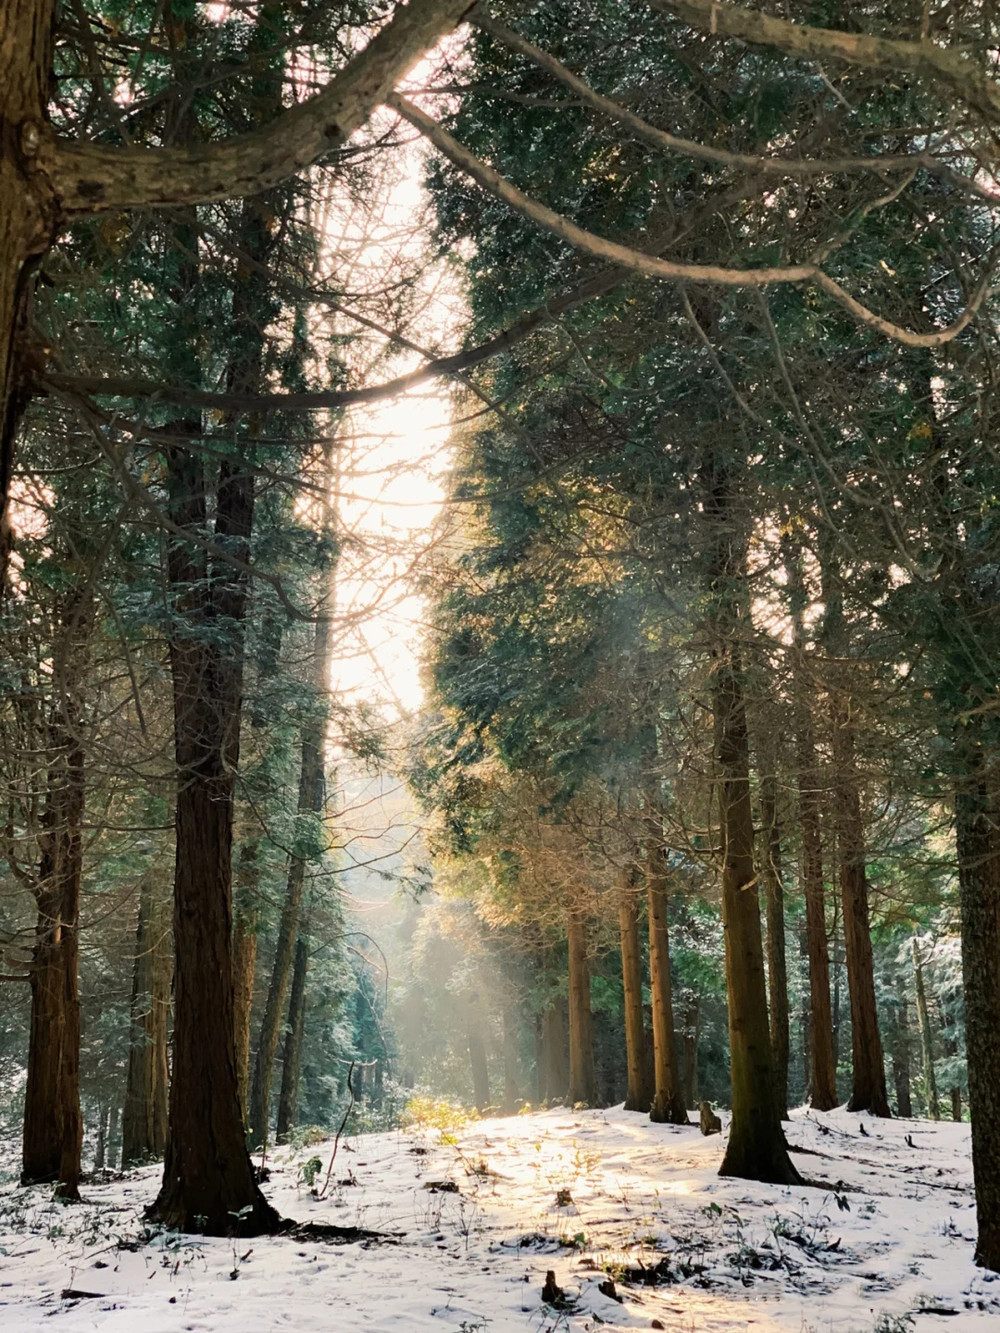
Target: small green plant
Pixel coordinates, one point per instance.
(308, 1171)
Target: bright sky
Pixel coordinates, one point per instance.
(393, 455)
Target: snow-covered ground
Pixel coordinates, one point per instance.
(882, 1243)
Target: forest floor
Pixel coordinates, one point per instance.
(474, 1219)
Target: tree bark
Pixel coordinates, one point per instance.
(774, 902)
(90, 178)
(822, 1081)
(926, 1039)
(245, 926)
(978, 838)
(901, 1063)
(144, 1118)
(692, 1028)
(555, 1081)
(27, 215)
(53, 1124)
(637, 1094)
(582, 1082)
(291, 1065)
(756, 1149)
(668, 1098)
(309, 843)
(868, 1090)
(208, 1181)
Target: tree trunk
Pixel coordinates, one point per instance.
(291, 1065)
(310, 839)
(668, 1098)
(511, 1089)
(822, 1074)
(27, 213)
(979, 879)
(926, 1040)
(555, 1081)
(246, 923)
(53, 1124)
(208, 1182)
(868, 1088)
(477, 1058)
(637, 1095)
(901, 1063)
(756, 1149)
(774, 901)
(144, 1119)
(582, 1082)
(692, 1027)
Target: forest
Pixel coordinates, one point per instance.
(500, 664)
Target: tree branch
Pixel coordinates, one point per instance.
(773, 166)
(89, 178)
(313, 400)
(963, 78)
(651, 266)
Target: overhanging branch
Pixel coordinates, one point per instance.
(88, 178)
(651, 266)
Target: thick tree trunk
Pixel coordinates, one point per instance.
(208, 1182)
(668, 1097)
(926, 1039)
(637, 1094)
(144, 1118)
(53, 1124)
(27, 215)
(822, 1073)
(901, 1062)
(774, 900)
(582, 1082)
(555, 1045)
(756, 1149)
(291, 1065)
(978, 838)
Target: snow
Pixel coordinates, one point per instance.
(881, 1244)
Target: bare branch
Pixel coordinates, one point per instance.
(963, 78)
(671, 143)
(651, 266)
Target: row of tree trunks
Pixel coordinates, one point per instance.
(144, 1117)
(53, 1124)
